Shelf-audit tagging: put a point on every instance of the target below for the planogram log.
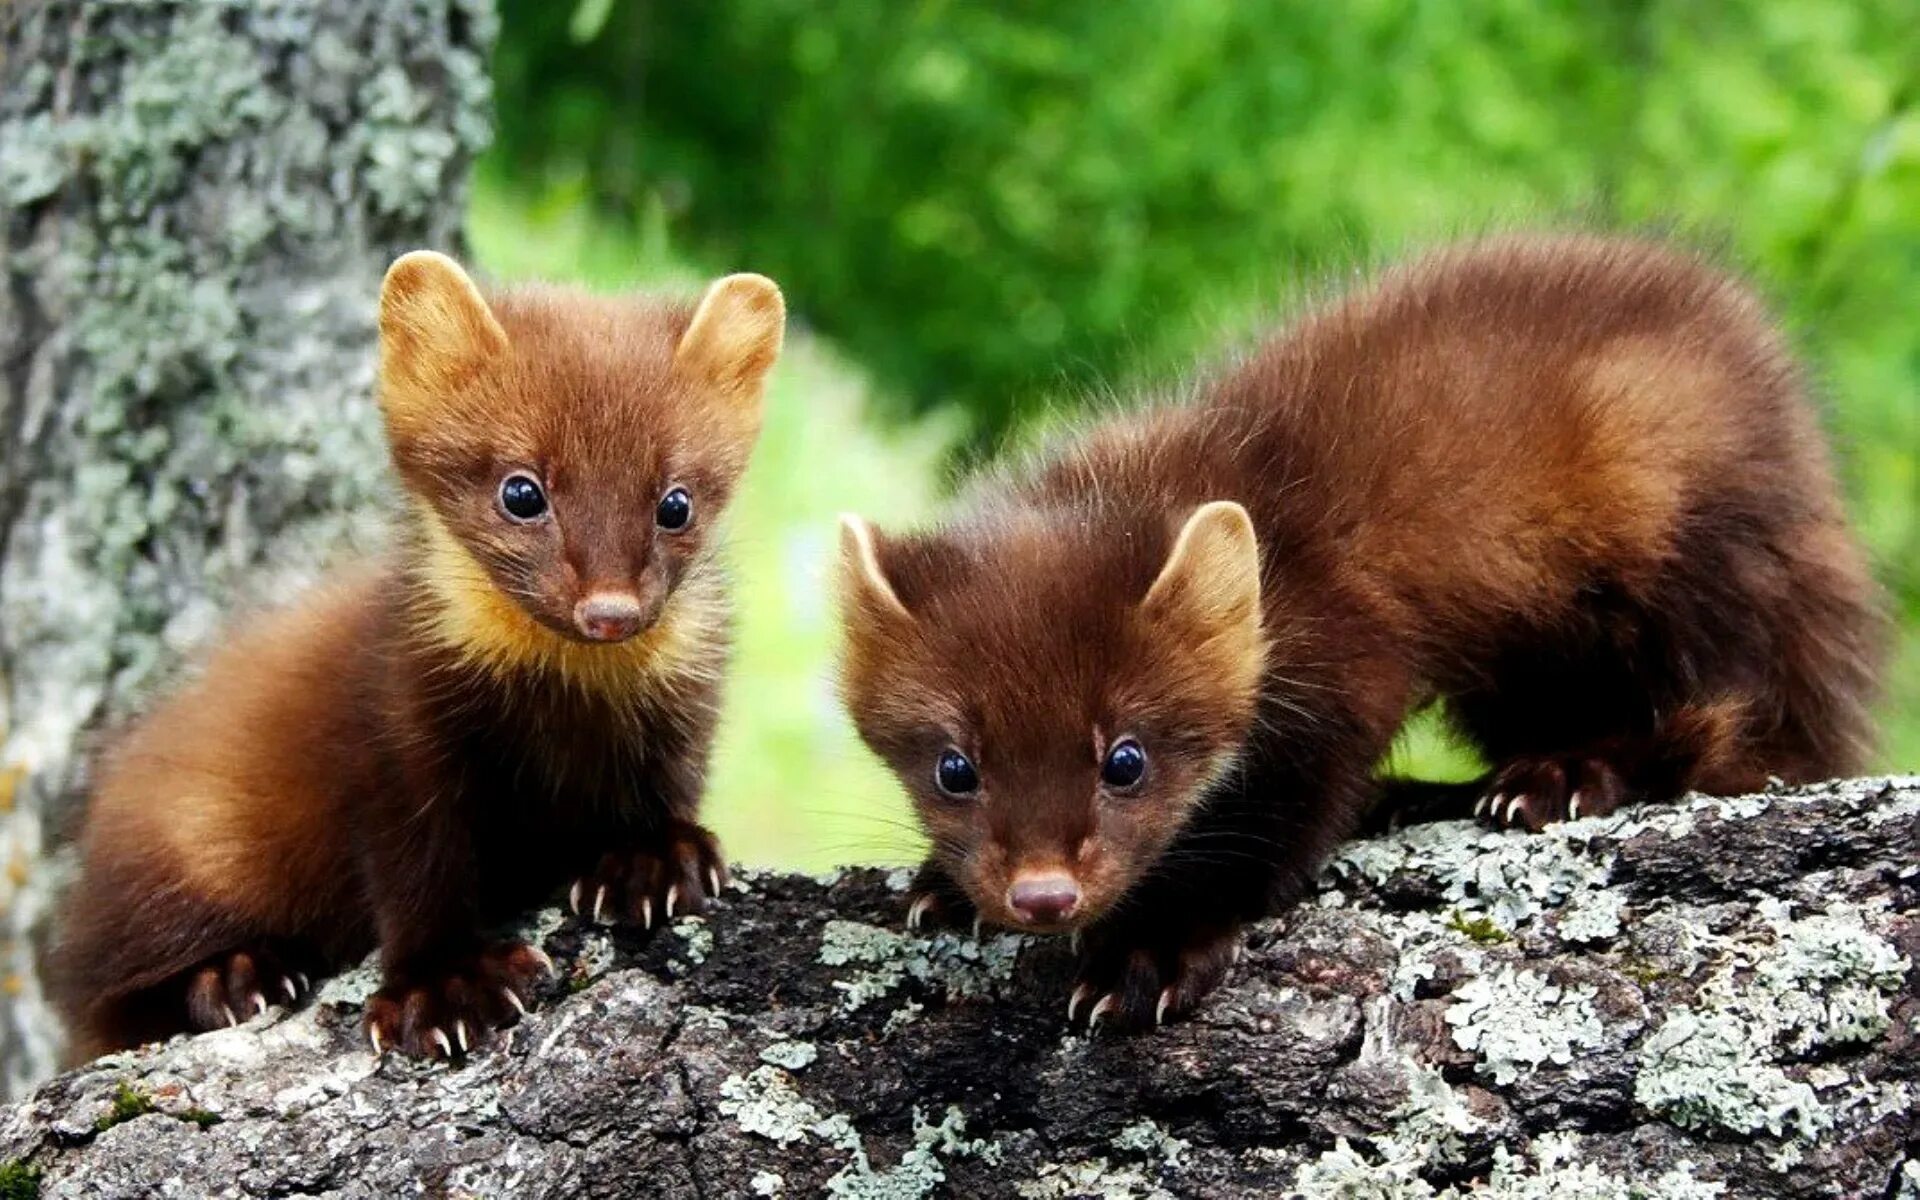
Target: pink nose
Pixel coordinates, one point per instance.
(1044, 898)
(607, 616)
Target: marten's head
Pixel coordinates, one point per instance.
(1056, 693)
(569, 456)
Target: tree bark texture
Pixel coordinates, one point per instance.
(198, 200)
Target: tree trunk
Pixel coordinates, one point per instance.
(1711, 998)
(198, 200)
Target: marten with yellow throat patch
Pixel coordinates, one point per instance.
(1570, 486)
(521, 694)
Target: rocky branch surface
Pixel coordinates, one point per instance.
(1715, 998)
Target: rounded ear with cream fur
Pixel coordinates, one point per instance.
(734, 339)
(863, 583)
(435, 332)
(1209, 591)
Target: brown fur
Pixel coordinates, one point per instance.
(428, 744)
(1571, 486)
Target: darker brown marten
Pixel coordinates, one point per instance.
(1572, 487)
(522, 694)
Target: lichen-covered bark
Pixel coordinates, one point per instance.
(1710, 999)
(197, 201)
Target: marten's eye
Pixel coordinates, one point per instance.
(1125, 764)
(676, 509)
(522, 498)
(955, 774)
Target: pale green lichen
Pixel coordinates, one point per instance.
(696, 938)
(1517, 1019)
(1146, 1137)
(1701, 1070)
(963, 966)
(920, 1169)
(794, 1056)
(764, 1103)
(767, 1183)
(1551, 1172)
(1508, 880)
(1097, 1178)
(1824, 979)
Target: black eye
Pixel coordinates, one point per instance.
(955, 774)
(522, 498)
(676, 509)
(1125, 764)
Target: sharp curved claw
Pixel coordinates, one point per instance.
(713, 882)
(1107, 1004)
(599, 904)
(976, 926)
(1513, 808)
(373, 1035)
(306, 985)
(540, 956)
(646, 912)
(1081, 995)
(460, 1034)
(293, 993)
(1573, 807)
(573, 896)
(917, 911)
(673, 897)
(1481, 805)
(1238, 952)
(439, 1038)
(259, 1005)
(513, 998)
(1160, 1009)
(231, 1019)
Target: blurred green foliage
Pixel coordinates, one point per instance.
(993, 205)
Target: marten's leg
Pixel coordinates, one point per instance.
(223, 989)
(1696, 747)
(178, 964)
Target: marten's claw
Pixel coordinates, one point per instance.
(456, 1009)
(1081, 994)
(678, 875)
(1145, 984)
(1532, 793)
(232, 987)
(917, 911)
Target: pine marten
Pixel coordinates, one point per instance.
(1572, 487)
(521, 694)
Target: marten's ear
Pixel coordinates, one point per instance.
(864, 587)
(435, 332)
(1211, 580)
(734, 338)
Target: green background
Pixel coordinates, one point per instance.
(990, 212)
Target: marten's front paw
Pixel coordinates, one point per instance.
(933, 901)
(239, 985)
(1137, 983)
(677, 876)
(449, 1011)
(1532, 793)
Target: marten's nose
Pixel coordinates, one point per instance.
(608, 616)
(1044, 898)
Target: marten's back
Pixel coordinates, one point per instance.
(1489, 424)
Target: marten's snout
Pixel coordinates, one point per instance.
(608, 616)
(1044, 899)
